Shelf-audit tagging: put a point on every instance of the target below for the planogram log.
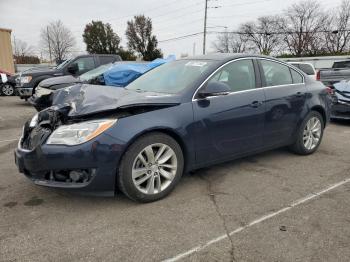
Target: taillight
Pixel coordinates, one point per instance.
(329, 90)
(318, 75)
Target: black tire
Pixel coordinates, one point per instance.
(7, 90)
(298, 147)
(124, 177)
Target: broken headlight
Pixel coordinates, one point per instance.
(79, 133)
(34, 121)
(25, 79)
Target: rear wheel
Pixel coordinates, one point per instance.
(7, 90)
(309, 135)
(151, 168)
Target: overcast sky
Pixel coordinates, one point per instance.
(171, 18)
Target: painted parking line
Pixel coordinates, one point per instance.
(9, 140)
(257, 221)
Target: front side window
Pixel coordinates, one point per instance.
(238, 75)
(275, 73)
(107, 59)
(85, 63)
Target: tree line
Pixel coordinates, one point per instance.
(57, 41)
(303, 29)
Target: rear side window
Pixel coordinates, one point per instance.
(297, 78)
(276, 73)
(238, 75)
(342, 64)
(307, 69)
(107, 59)
(85, 63)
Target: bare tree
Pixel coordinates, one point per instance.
(301, 25)
(336, 35)
(21, 48)
(263, 34)
(229, 42)
(57, 39)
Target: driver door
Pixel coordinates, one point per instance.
(230, 125)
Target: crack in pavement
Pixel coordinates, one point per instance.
(212, 195)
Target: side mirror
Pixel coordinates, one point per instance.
(73, 68)
(214, 88)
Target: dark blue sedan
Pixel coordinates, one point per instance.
(181, 116)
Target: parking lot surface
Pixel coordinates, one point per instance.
(275, 206)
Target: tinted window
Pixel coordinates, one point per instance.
(296, 65)
(276, 73)
(307, 69)
(106, 59)
(85, 63)
(342, 64)
(297, 78)
(237, 75)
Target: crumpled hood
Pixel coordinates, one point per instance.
(59, 80)
(84, 99)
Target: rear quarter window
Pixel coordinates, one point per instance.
(297, 78)
(276, 74)
(307, 69)
(107, 59)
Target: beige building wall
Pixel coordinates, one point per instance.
(6, 55)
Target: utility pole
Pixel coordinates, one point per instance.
(205, 25)
(194, 49)
(48, 40)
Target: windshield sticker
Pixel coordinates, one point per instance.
(196, 63)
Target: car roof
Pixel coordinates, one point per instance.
(300, 63)
(225, 56)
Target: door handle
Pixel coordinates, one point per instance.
(256, 104)
(299, 94)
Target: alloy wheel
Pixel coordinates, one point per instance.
(312, 133)
(154, 168)
(7, 90)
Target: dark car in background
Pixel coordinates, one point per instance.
(184, 115)
(339, 71)
(27, 81)
(341, 101)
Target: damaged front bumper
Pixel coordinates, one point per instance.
(86, 168)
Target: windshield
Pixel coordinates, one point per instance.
(63, 63)
(171, 77)
(95, 72)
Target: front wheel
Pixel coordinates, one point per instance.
(7, 90)
(150, 168)
(309, 135)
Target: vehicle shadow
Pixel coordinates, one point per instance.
(341, 122)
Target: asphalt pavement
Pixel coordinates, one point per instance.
(274, 206)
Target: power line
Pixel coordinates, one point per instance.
(186, 23)
(180, 37)
(280, 32)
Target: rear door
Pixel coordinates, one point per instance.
(230, 125)
(285, 93)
